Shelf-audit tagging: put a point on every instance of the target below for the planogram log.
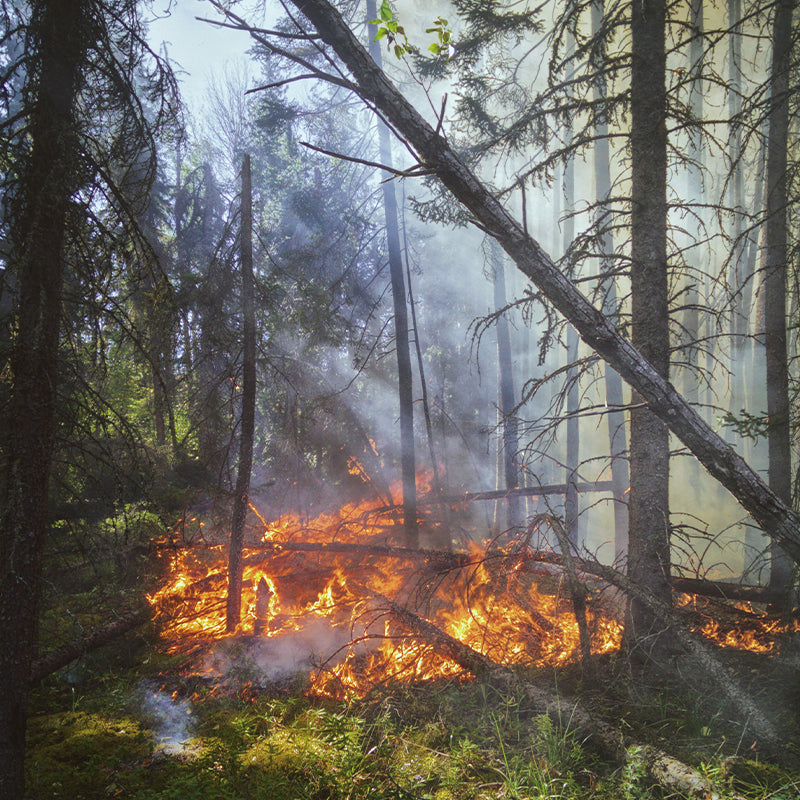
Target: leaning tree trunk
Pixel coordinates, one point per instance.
(721, 461)
(58, 36)
(649, 540)
(617, 439)
(233, 609)
(404, 378)
(778, 410)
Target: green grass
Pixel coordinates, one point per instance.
(444, 741)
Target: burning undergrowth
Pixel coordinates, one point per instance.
(337, 599)
(333, 597)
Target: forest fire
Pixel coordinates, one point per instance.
(333, 596)
(327, 582)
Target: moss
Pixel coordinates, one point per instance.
(746, 775)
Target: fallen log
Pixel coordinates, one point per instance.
(503, 494)
(69, 652)
(726, 591)
(610, 741)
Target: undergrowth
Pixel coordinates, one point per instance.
(148, 734)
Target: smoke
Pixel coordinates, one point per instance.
(171, 718)
(264, 660)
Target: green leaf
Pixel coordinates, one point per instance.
(398, 50)
(435, 49)
(380, 34)
(386, 11)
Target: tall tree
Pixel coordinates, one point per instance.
(648, 506)
(775, 270)
(508, 441)
(404, 376)
(59, 33)
(617, 438)
(241, 497)
(79, 123)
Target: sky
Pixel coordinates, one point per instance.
(199, 48)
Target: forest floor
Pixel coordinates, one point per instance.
(133, 722)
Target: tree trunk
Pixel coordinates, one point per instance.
(59, 33)
(617, 439)
(572, 460)
(648, 505)
(233, 609)
(696, 154)
(721, 461)
(778, 411)
(509, 440)
(404, 378)
(737, 275)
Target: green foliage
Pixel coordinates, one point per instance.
(747, 425)
(445, 741)
(444, 35)
(390, 29)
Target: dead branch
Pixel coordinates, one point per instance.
(69, 652)
(503, 494)
(577, 590)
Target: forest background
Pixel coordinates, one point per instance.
(653, 157)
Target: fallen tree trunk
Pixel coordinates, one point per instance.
(503, 494)
(436, 156)
(69, 652)
(669, 772)
(726, 591)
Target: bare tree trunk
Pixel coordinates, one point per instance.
(737, 276)
(233, 608)
(404, 377)
(617, 439)
(648, 506)
(721, 461)
(572, 460)
(778, 410)
(509, 441)
(60, 35)
(691, 317)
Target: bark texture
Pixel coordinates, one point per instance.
(434, 153)
(778, 436)
(233, 609)
(58, 37)
(404, 377)
(648, 502)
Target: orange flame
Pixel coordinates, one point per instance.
(340, 567)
